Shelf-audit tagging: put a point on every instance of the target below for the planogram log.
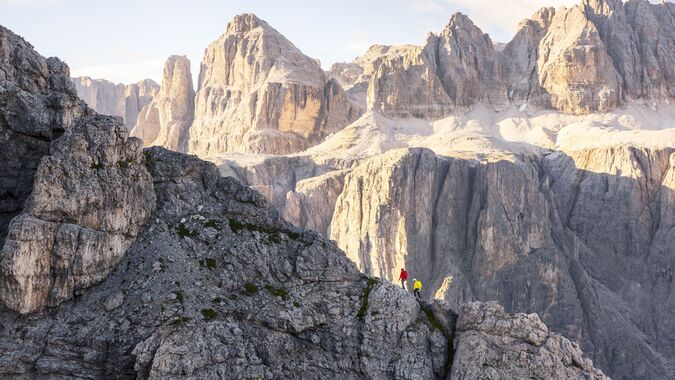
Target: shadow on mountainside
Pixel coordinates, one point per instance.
(590, 252)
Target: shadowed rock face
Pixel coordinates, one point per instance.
(217, 285)
(166, 120)
(88, 196)
(258, 93)
(556, 235)
(37, 104)
(107, 98)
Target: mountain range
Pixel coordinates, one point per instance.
(539, 174)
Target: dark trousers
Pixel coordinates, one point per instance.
(403, 284)
(417, 294)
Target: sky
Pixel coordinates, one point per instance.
(126, 41)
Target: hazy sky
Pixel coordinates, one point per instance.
(125, 41)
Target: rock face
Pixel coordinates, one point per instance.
(108, 98)
(89, 194)
(592, 57)
(216, 285)
(258, 93)
(492, 344)
(532, 234)
(167, 119)
(36, 106)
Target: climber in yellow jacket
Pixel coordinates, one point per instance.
(417, 287)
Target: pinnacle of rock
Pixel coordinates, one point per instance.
(271, 98)
(166, 120)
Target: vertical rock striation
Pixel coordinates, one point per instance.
(89, 194)
(108, 98)
(258, 93)
(582, 239)
(592, 57)
(167, 119)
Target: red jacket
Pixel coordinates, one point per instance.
(403, 276)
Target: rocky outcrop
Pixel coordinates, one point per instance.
(37, 104)
(467, 64)
(530, 234)
(258, 93)
(89, 195)
(122, 100)
(404, 84)
(492, 344)
(167, 119)
(218, 286)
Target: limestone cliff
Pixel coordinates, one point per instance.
(89, 192)
(167, 119)
(592, 57)
(217, 285)
(258, 93)
(582, 239)
(122, 100)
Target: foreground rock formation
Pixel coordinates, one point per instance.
(216, 285)
(29, 118)
(258, 93)
(90, 193)
(492, 344)
(107, 98)
(166, 120)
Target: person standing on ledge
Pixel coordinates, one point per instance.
(417, 287)
(403, 277)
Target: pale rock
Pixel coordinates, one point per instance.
(89, 195)
(492, 344)
(107, 98)
(258, 93)
(167, 119)
(114, 301)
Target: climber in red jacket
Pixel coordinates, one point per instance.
(403, 277)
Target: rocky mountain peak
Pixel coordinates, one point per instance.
(166, 120)
(460, 22)
(244, 23)
(259, 93)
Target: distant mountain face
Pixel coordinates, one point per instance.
(166, 120)
(112, 99)
(258, 93)
(592, 57)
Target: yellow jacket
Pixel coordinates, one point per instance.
(417, 285)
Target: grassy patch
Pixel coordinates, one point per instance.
(97, 166)
(216, 300)
(181, 320)
(273, 232)
(123, 164)
(370, 284)
(209, 314)
(180, 297)
(277, 292)
(250, 288)
(433, 321)
(185, 232)
(212, 223)
(211, 263)
(148, 156)
(296, 304)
